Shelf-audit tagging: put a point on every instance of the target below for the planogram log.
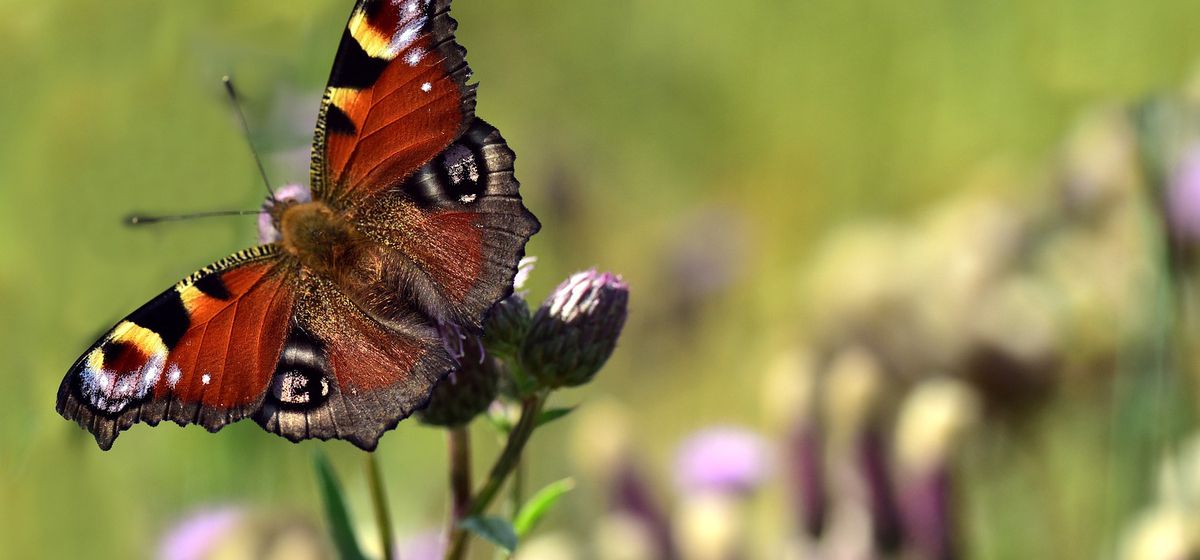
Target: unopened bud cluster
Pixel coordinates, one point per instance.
(563, 344)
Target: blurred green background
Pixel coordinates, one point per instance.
(652, 137)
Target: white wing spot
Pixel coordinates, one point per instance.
(173, 375)
(205, 379)
(426, 87)
(414, 57)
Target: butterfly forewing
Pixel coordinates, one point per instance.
(201, 352)
(397, 97)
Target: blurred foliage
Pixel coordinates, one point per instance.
(654, 139)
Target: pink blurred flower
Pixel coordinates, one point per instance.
(722, 459)
(194, 536)
(426, 545)
(1183, 196)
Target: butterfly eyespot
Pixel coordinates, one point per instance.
(460, 166)
(299, 388)
(456, 177)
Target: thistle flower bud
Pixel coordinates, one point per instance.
(576, 329)
(506, 326)
(469, 388)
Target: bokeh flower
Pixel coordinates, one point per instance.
(232, 532)
(790, 406)
(426, 545)
(724, 460)
(622, 536)
(549, 546)
(933, 421)
(197, 534)
(1183, 196)
(710, 526)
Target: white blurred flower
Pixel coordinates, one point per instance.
(548, 546)
(1164, 533)
(623, 537)
(789, 389)
(934, 418)
(853, 388)
(709, 526)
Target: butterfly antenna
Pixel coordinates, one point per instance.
(142, 220)
(237, 107)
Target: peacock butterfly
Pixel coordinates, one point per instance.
(331, 330)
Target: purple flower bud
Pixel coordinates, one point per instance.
(288, 193)
(723, 459)
(467, 390)
(576, 329)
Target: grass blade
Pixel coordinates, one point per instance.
(341, 529)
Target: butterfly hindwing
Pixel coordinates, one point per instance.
(346, 374)
(201, 352)
(459, 223)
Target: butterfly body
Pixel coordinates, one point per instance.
(318, 238)
(330, 329)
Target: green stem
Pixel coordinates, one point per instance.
(508, 460)
(383, 517)
(516, 489)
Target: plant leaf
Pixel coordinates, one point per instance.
(499, 531)
(536, 508)
(551, 414)
(340, 527)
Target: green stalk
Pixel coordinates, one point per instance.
(458, 441)
(516, 489)
(531, 407)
